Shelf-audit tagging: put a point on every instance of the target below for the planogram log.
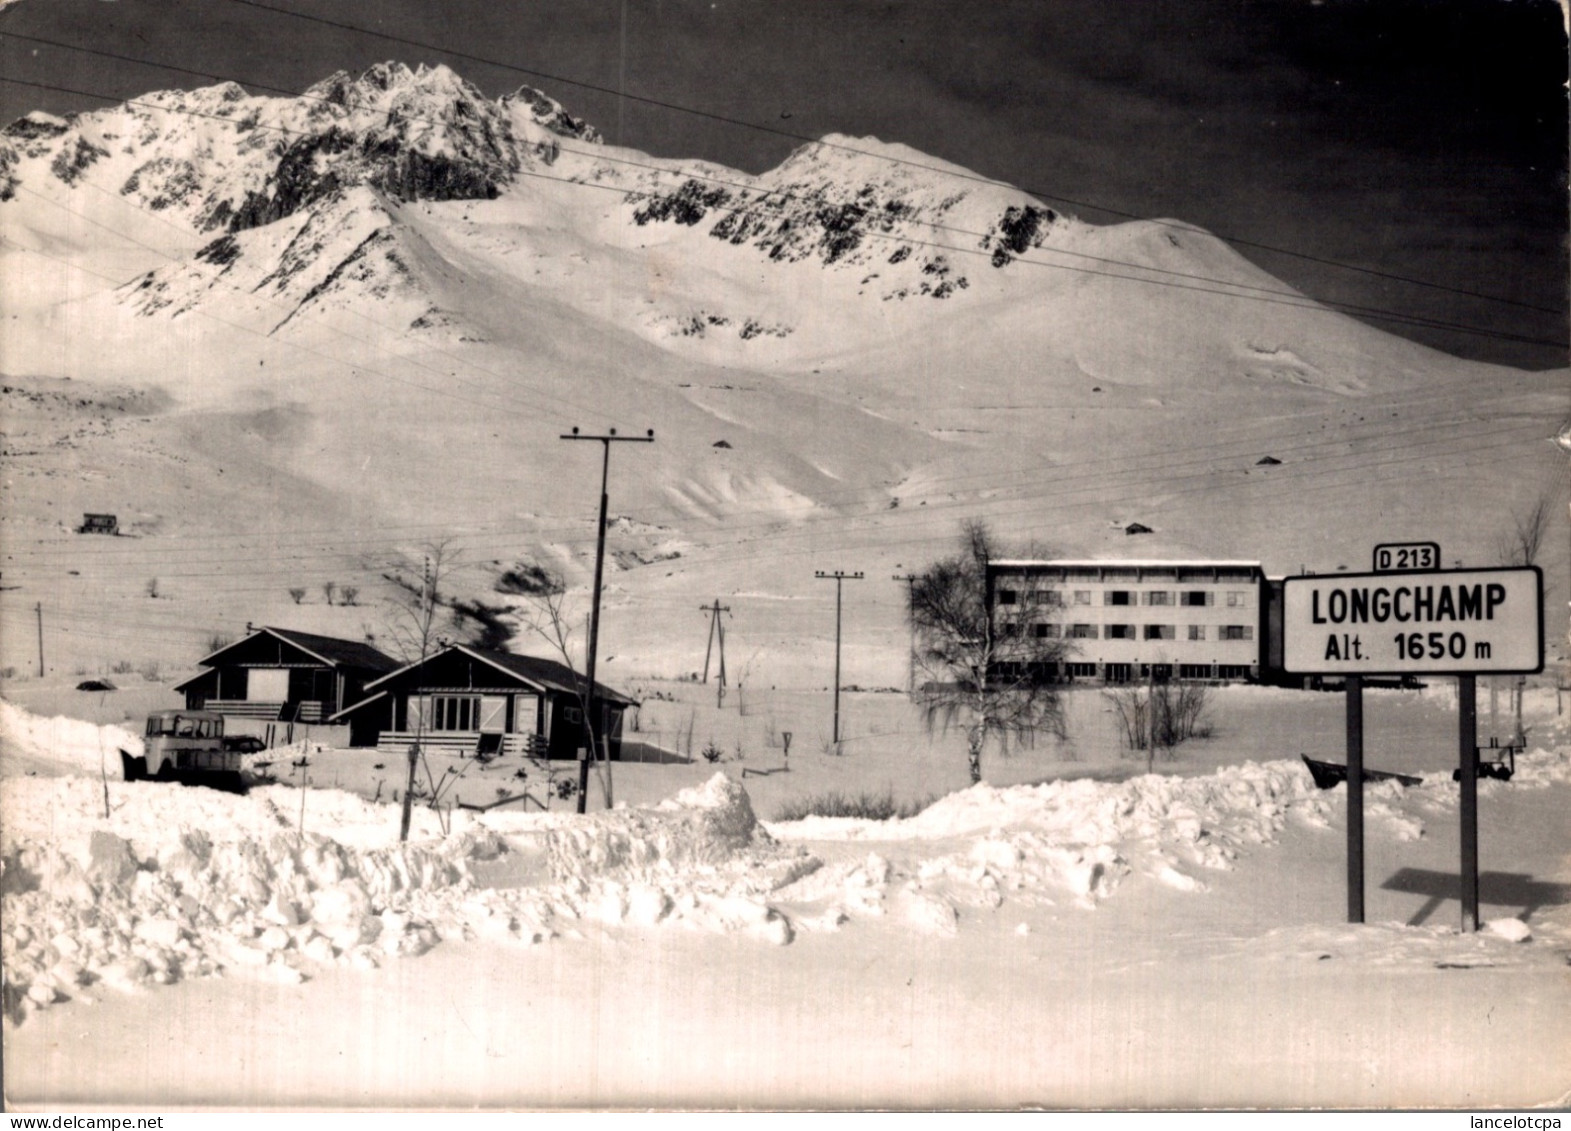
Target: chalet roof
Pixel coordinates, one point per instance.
(330, 650)
(546, 674)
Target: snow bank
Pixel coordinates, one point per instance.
(71, 744)
(177, 882)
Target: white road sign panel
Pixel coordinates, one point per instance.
(1458, 622)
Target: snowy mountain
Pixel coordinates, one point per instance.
(368, 311)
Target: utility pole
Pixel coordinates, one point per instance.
(594, 608)
(39, 609)
(910, 580)
(838, 577)
(716, 631)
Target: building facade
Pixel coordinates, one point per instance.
(1127, 620)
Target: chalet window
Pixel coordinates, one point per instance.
(1238, 632)
(1116, 597)
(1159, 597)
(1159, 632)
(1082, 596)
(1007, 596)
(455, 712)
(1082, 631)
(1044, 631)
(1197, 632)
(1120, 631)
(1196, 598)
(573, 714)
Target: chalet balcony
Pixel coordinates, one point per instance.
(302, 711)
(463, 743)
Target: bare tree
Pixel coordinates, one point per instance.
(991, 679)
(422, 610)
(551, 623)
(413, 625)
(1520, 546)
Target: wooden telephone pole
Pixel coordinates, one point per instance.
(838, 577)
(594, 609)
(910, 580)
(716, 632)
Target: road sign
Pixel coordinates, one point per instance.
(1452, 622)
(1403, 556)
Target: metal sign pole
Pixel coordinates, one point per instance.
(1355, 799)
(1467, 743)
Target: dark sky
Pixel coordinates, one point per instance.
(1425, 140)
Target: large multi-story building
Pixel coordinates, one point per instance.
(1125, 620)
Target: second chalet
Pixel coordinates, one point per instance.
(469, 700)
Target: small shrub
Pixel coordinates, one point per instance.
(297, 595)
(152, 587)
(328, 589)
(218, 641)
(567, 789)
(351, 595)
(150, 671)
(864, 806)
(711, 752)
(122, 667)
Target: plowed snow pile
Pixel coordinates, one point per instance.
(176, 882)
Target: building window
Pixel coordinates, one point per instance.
(1159, 632)
(1082, 631)
(1237, 599)
(573, 714)
(455, 712)
(1082, 596)
(1044, 631)
(1232, 671)
(1197, 632)
(1238, 632)
(1082, 670)
(1052, 597)
(1116, 597)
(1008, 629)
(1117, 673)
(1007, 596)
(1120, 631)
(1159, 597)
(1194, 671)
(1196, 598)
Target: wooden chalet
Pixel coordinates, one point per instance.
(470, 700)
(284, 675)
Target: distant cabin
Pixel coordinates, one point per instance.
(721, 444)
(476, 701)
(1267, 461)
(278, 674)
(1137, 528)
(99, 524)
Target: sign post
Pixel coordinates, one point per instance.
(1467, 742)
(1355, 799)
(1410, 619)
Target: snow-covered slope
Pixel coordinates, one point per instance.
(355, 322)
